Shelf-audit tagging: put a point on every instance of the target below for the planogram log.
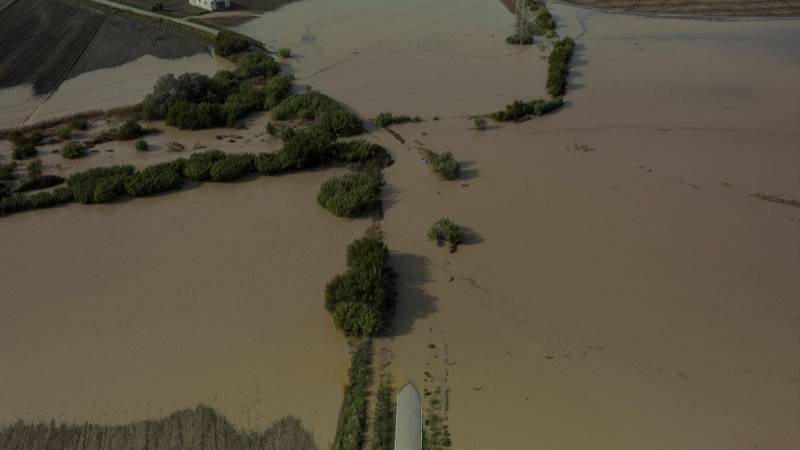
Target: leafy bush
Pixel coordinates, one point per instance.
(312, 105)
(270, 163)
(232, 167)
(352, 195)
(141, 145)
(519, 109)
(558, 66)
(227, 43)
(257, 65)
(73, 150)
(516, 39)
(189, 87)
(194, 116)
(7, 170)
(307, 149)
(271, 129)
(79, 124)
(99, 184)
(444, 164)
(24, 150)
(385, 119)
(276, 89)
(42, 182)
(34, 169)
(198, 167)
(363, 298)
(285, 52)
(64, 133)
(445, 230)
(154, 179)
(129, 131)
(544, 20)
(241, 103)
(357, 150)
(339, 123)
(14, 203)
(480, 123)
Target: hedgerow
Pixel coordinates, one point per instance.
(519, 109)
(227, 43)
(42, 182)
(442, 163)
(98, 185)
(352, 428)
(558, 66)
(154, 179)
(276, 89)
(352, 195)
(232, 167)
(270, 163)
(385, 119)
(198, 167)
(307, 149)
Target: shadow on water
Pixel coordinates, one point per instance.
(468, 172)
(471, 237)
(413, 271)
(389, 195)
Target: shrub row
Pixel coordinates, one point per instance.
(154, 179)
(19, 202)
(352, 195)
(227, 43)
(558, 66)
(362, 300)
(443, 163)
(385, 119)
(352, 428)
(519, 109)
(99, 185)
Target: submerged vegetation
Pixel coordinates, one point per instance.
(328, 115)
(383, 426)
(352, 428)
(445, 230)
(444, 164)
(519, 109)
(386, 119)
(362, 300)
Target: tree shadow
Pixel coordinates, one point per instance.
(471, 237)
(467, 171)
(413, 271)
(389, 195)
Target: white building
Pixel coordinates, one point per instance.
(211, 5)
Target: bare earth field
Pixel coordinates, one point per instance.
(620, 287)
(704, 8)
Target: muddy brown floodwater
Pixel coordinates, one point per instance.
(620, 287)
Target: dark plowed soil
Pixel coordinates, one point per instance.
(41, 39)
(181, 8)
(44, 42)
(192, 429)
(122, 39)
(711, 8)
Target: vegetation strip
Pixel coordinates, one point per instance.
(352, 428)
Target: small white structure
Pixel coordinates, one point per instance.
(211, 5)
(408, 422)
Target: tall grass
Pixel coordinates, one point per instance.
(352, 428)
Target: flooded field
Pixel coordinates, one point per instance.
(620, 287)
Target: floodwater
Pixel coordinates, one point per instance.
(99, 89)
(633, 296)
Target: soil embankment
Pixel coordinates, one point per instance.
(200, 428)
(703, 8)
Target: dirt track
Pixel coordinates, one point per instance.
(63, 40)
(200, 428)
(716, 8)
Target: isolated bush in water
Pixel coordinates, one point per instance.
(198, 167)
(285, 52)
(99, 184)
(23, 150)
(227, 43)
(257, 65)
(352, 195)
(545, 20)
(73, 150)
(558, 66)
(129, 130)
(142, 145)
(363, 298)
(154, 179)
(444, 164)
(64, 133)
(276, 89)
(232, 167)
(445, 230)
